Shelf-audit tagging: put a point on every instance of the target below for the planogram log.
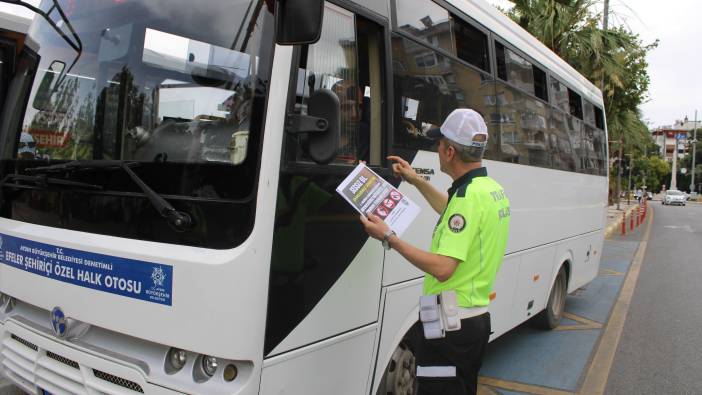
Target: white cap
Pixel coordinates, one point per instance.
(462, 126)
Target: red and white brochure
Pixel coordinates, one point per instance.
(369, 193)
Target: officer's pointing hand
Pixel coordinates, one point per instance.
(375, 227)
(401, 168)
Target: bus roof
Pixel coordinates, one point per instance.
(13, 22)
(494, 20)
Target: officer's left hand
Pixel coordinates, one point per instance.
(375, 227)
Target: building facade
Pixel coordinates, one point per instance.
(666, 136)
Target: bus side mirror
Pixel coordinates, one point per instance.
(48, 86)
(298, 21)
(322, 126)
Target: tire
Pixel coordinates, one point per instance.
(400, 375)
(551, 316)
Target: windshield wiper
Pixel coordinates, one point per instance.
(179, 220)
(44, 181)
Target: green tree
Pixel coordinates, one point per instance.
(650, 172)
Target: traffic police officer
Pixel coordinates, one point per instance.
(466, 252)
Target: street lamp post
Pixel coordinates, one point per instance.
(619, 170)
(694, 152)
(628, 191)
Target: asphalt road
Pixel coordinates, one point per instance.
(659, 350)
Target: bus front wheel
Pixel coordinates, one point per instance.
(400, 375)
(551, 316)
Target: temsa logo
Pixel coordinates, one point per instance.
(424, 172)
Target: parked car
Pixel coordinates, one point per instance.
(692, 196)
(649, 195)
(674, 197)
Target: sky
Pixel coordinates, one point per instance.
(675, 67)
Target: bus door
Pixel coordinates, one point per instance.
(325, 271)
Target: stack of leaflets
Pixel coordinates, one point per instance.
(369, 193)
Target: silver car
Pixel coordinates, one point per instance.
(674, 197)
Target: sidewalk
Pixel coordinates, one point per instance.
(615, 217)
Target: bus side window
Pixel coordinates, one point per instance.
(427, 92)
(347, 61)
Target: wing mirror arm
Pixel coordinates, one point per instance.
(321, 125)
(298, 124)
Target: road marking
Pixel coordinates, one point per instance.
(520, 387)
(610, 272)
(583, 323)
(485, 390)
(598, 373)
(686, 228)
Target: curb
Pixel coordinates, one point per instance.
(616, 226)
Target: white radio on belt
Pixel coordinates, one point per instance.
(439, 314)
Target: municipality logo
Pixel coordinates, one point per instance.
(158, 276)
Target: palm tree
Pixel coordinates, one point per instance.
(616, 56)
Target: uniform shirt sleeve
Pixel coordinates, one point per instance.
(459, 228)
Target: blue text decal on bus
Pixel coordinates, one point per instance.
(127, 277)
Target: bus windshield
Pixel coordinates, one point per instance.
(151, 80)
(175, 85)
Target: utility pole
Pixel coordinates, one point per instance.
(605, 23)
(694, 153)
(605, 16)
(673, 183)
(619, 174)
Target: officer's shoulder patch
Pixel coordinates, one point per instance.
(456, 223)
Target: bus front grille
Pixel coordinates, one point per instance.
(118, 381)
(37, 367)
(31, 366)
(24, 342)
(63, 360)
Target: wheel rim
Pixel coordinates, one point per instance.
(558, 301)
(401, 376)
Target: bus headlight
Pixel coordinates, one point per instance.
(177, 359)
(209, 365)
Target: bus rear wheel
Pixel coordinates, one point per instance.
(551, 316)
(400, 375)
